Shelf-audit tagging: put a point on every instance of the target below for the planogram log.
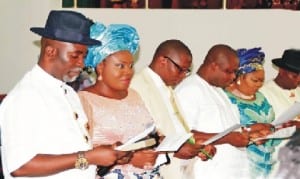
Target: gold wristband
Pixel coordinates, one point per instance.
(81, 162)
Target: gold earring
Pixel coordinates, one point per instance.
(238, 82)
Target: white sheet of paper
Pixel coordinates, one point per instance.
(281, 133)
(136, 138)
(221, 134)
(289, 114)
(173, 142)
(137, 145)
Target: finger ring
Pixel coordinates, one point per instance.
(206, 153)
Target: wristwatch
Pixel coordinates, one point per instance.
(81, 162)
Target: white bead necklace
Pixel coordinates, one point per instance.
(239, 94)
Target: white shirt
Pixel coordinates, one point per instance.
(208, 109)
(38, 117)
(156, 96)
(158, 92)
(280, 99)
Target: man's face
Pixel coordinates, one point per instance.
(291, 79)
(69, 60)
(225, 72)
(177, 68)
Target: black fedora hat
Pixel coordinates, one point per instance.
(67, 26)
(290, 60)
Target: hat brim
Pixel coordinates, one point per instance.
(83, 40)
(280, 63)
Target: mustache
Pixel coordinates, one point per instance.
(77, 69)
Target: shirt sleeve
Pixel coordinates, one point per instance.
(188, 99)
(19, 129)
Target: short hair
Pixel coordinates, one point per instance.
(171, 45)
(215, 51)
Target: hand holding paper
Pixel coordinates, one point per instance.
(281, 133)
(170, 143)
(173, 142)
(144, 159)
(139, 141)
(289, 114)
(221, 134)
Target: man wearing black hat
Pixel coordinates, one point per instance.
(282, 92)
(43, 126)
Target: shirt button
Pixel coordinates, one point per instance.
(87, 126)
(75, 115)
(86, 139)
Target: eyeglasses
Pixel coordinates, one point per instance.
(187, 72)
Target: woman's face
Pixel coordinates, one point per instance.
(250, 83)
(117, 70)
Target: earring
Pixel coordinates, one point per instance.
(99, 78)
(238, 82)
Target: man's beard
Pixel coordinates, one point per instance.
(68, 79)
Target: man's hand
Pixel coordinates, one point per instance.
(237, 139)
(187, 151)
(207, 152)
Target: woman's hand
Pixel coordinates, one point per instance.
(125, 159)
(259, 130)
(291, 123)
(144, 159)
